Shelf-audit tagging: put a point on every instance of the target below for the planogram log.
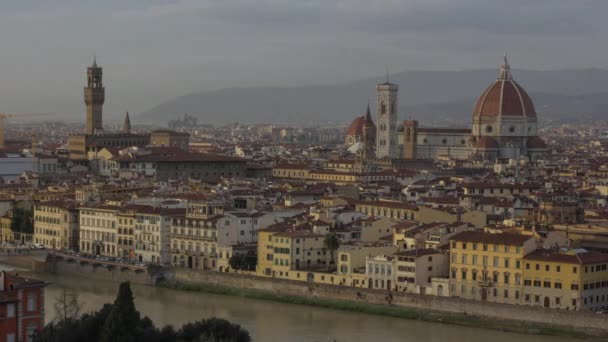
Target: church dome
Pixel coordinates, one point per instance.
(486, 143)
(536, 143)
(356, 127)
(504, 97)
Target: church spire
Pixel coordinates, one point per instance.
(505, 69)
(368, 114)
(126, 126)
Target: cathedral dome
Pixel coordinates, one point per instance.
(356, 127)
(486, 143)
(504, 97)
(536, 143)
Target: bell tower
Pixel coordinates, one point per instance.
(94, 97)
(386, 137)
(410, 139)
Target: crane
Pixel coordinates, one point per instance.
(4, 116)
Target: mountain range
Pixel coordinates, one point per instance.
(432, 97)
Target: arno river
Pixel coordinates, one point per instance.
(270, 321)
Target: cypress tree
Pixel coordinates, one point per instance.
(122, 322)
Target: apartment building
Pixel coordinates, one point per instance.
(56, 224)
(488, 267)
(193, 235)
(566, 279)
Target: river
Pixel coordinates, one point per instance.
(271, 321)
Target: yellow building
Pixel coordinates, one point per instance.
(56, 225)
(5, 228)
(488, 267)
(125, 234)
(566, 280)
(283, 247)
(98, 230)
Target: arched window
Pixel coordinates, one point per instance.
(383, 107)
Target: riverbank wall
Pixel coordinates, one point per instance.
(583, 322)
(94, 271)
(517, 318)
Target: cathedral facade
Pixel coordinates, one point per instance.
(504, 126)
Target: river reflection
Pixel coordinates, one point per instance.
(270, 321)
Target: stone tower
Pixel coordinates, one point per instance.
(126, 126)
(386, 137)
(410, 136)
(94, 97)
(369, 137)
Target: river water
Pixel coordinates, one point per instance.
(271, 321)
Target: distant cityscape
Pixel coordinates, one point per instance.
(504, 210)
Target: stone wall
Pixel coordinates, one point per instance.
(588, 321)
(76, 269)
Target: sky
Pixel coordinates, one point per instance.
(155, 50)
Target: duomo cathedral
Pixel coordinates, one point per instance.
(504, 127)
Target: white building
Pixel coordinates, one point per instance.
(152, 234)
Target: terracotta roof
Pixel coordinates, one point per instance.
(504, 97)
(500, 238)
(536, 143)
(356, 127)
(556, 256)
(486, 143)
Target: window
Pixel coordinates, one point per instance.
(31, 302)
(547, 284)
(558, 285)
(546, 268)
(31, 329)
(10, 310)
(537, 283)
(506, 263)
(573, 269)
(527, 282)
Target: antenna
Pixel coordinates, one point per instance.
(387, 75)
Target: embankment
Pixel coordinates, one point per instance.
(505, 317)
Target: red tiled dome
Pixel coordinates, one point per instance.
(485, 142)
(504, 97)
(356, 127)
(536, 143)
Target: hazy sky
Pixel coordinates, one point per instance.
(155, 50)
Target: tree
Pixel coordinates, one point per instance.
(22, 221)
(67, 307)
(331, 243)
(121, 324)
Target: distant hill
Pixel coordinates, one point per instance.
(430, 96)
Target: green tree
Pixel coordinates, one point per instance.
(122, 322)
(22, 221)
(331, 243)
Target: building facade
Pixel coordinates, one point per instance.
(56, 225)
(488, 267)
